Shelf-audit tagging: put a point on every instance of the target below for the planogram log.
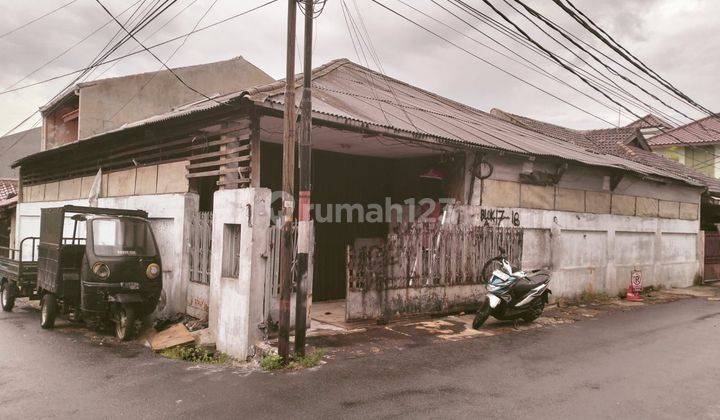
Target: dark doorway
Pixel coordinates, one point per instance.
(205, 187)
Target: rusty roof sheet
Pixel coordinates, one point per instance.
(344, 91)
(702, 131)
(618, 142)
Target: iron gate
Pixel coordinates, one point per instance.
(712, 256)
(200, 245)
(427, 254)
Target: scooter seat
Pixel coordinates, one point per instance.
(526, 284)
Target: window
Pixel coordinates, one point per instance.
(122, 237)
(231, 251)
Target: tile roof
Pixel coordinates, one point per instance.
(650, 121)
(8, 188)
(348, 94)
(702, 131)
(617, 142)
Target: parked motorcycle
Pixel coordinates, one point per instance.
(512, 294)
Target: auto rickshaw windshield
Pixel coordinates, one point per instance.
(116, 237)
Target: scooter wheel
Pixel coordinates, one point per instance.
(481, 315)
(535, 312)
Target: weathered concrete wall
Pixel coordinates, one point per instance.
(198, 300)
(166, 178)
(236, 304)
(110, 103)
(592, 238)
(596, 253)
(167, 213)
(421, 300)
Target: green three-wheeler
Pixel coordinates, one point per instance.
(113, 274)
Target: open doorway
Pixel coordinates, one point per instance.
(350, 172)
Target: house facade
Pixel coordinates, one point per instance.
(95, 107)
(589, 216)
(13, 147)
(695, 145)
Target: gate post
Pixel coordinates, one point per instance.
(237, 283)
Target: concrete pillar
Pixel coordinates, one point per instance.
(658, 272)
(701, 256)
(611, 280)
(236, 303)
(556, 253)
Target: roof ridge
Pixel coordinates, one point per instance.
(269, 88)
(689, 124)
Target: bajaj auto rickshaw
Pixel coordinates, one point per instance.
(114, 274)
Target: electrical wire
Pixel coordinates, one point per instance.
(26, 24)
(137, 27)
(493, 65)
(67, 50)
(536, 44)
(608, 40)
(163, 26)
(159, 44)
(167, 60)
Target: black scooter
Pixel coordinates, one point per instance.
(512, 294)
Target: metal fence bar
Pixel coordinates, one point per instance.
(200, 247)
(428, 254)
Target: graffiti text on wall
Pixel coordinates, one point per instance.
(496, 217)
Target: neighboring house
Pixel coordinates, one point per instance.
(589, 217)
(696, 145)
(16, 146)
(12, 148)
(91, 108)
(8, 201)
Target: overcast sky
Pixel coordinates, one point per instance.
(676, 38)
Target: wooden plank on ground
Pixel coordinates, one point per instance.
(174, 336)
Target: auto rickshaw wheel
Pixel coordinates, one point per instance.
(48, 311)
(7, 297)
(125, 322)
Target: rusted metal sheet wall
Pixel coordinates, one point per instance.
(426, 254)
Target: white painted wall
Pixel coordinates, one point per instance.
(167, 215)
(236, 304)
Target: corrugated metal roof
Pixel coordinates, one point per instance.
(345, 91)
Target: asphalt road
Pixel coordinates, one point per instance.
(661, 361)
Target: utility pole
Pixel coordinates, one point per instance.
(305, 166)
(288, 185)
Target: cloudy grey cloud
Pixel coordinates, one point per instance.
(677, 38)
